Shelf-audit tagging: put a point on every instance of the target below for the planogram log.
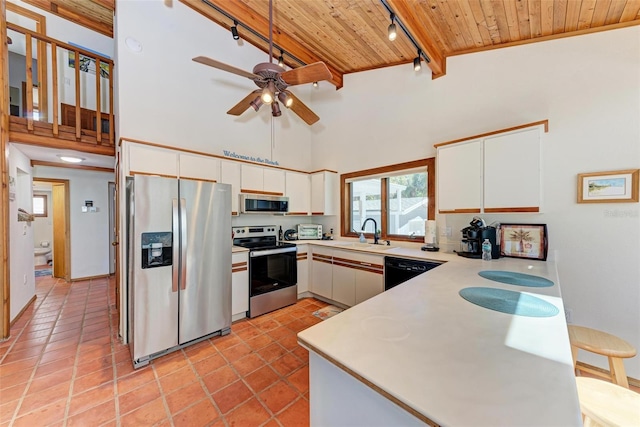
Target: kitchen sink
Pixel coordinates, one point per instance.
(365, 246)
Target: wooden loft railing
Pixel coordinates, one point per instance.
(76, 130)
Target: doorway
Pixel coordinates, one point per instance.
(61, 266)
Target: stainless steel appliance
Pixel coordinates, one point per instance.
(179, 264)
(399, 270)
(273, 269)
(263, 204)
(309, 232)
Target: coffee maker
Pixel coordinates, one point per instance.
(474, 235)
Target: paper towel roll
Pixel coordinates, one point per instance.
(430, 233)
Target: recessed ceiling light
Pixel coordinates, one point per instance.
(70, 159)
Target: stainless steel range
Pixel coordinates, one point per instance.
(273, 271)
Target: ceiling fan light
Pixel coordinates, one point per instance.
(416, 64)
(286, 100)
(275, 109)
(268, 93)
(256, 103)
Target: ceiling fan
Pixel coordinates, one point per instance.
(273, 81)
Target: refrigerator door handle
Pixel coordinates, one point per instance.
(183, 244)
(174, 249)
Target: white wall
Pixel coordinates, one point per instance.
(22, 286)
(166, 98)
(589, 89)
(89, 232)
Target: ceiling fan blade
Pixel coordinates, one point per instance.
(302, 110)
(242, 106)
(225, 67)
(309, 73)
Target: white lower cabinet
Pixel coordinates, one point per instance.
(368, 284)
(344, 283)
(321, 276)
(239, 285)
(303, 268)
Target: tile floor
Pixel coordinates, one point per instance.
(64, 365)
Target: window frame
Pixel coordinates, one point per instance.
(45, 206)
(410, 167)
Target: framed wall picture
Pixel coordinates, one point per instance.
(524, 241)
(608, 187)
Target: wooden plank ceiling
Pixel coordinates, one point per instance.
(351, 35)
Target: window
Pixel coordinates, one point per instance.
(398, 197)
(39, 205)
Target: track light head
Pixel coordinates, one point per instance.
(286, 100)
(391, 30)
(256, 103)
(234, 31)
(275, 109)
(281, 59)
(315, 84)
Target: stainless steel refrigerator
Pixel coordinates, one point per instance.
(179, 264)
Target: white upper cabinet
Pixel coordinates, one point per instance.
(199, 167)
(230, 174)
(500, 173)
(324, 186)
(512, 172)
(152, 160)
(460, 177)
(257, 179)
(298, 189)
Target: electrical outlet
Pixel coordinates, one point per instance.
(568, 315)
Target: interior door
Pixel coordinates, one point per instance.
(205, 296)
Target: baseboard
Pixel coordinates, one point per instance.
(632, 381)
(31, 301)
(80, 279)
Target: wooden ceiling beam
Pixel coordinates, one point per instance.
(87, 18)
(404, 10)
(247, 16)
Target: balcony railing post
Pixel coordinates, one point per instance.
(54, 78)
(29, 83)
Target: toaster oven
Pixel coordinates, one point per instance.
(309, 232)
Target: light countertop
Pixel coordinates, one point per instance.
(431, 351)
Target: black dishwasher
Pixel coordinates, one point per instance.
(399, 270)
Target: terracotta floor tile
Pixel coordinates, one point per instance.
(44, 382)
(225, 342)
(85, 367)
(170, 363)
(271, 423)
(280, 333)
(236, 352)
(13, 393)
(33, 401)
(149, 414)
(300, 379)
(182, 398)
(43, 415)
(201, 414)
(139, 397)
(19, 365)
(7, 409)
(290, 343)
(259, 341)
(63, 353)
(200, 351)
(298, 312)
(97, 415)
(261, 379)
(249, 332)
(252, 413)
(209, 364)
(92, 380)
(126, 368)
(231, 396)
(240, 325)
(284, 318)
(295, 415)
(248, 364)
(69, 326)
(83, 401)
(278, 396)
(21, 344)
(301, 353)
(272, 352)
(18, 377)
(286, 364)
(136, 379)
(177, 379)
(219, 378)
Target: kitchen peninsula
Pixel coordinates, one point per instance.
(419, 353)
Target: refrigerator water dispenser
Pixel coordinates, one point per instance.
(157, 249)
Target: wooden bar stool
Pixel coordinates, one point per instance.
(606, 404)
(605, 344)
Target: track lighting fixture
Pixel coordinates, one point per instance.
(268, 93)
(234, 30)
(275, 109)
(315, 84)
(256, 103)
(281, 59)
(416, 62)
(9, 41)
(391, 31)
(286, 100)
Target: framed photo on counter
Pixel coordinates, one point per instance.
(524, 241)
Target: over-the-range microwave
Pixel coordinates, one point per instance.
(264, 204)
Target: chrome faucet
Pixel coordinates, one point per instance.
(375, 229)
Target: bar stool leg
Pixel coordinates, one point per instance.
(618, 374)
(574, 354)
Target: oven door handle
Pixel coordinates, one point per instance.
(254, 254)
